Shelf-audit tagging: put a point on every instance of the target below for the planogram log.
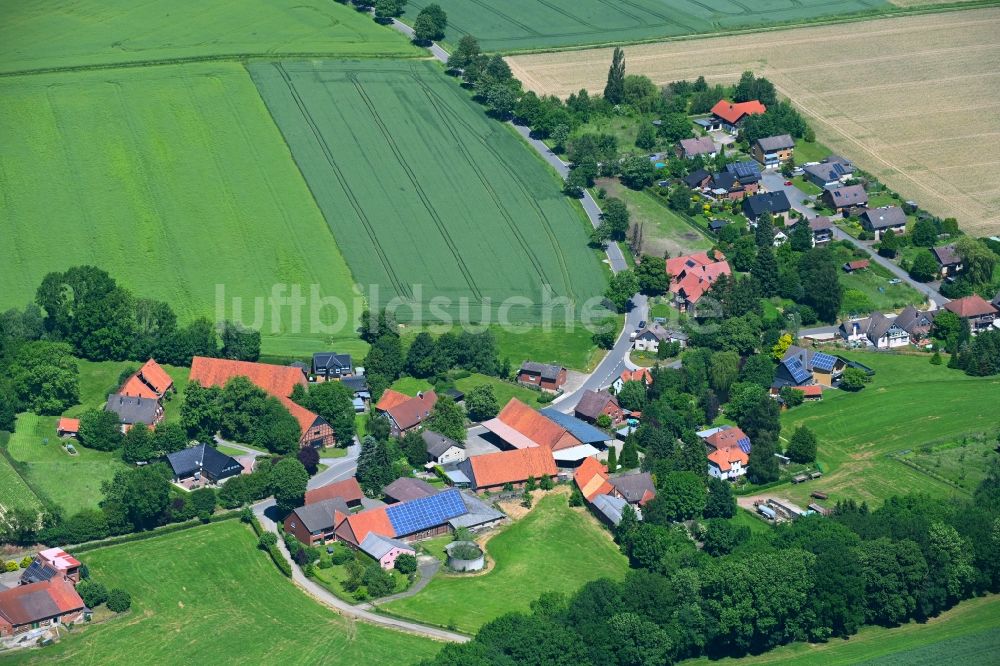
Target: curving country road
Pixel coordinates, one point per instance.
(775, 182)
(327, 598)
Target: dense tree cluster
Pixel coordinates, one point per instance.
(240, 411)
(810, 580)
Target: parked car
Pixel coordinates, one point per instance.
(642, 325)
(788, 183)
(895, 281)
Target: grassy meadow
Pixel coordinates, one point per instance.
(74, 481)
(526, 24)
(438, 206)
(909, 403)
(209, 591)
(85, 33)
(966, 634)
(554, 548)
(175, 180)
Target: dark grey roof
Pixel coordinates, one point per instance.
(477, 513)
(593, 402)
(946, 255)
(332, 361)
(769, 202)
(319, 515)
(914, 321)
(356, 383)
(298, 364)
(580, 429)
(633, 486)
(780, 142)
(549, 372)
(205, 459)
(746, 171)
(407, 488)
(883, 218)
(133, 409)
(723, 181)
(695, 178)
(848, 195)
(820, 222)
(716, 224)
(831, 169)
(454, 394)
(878, 326)
(438, 444)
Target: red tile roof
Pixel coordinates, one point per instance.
(732, 113)
(641, 375)
(970, 306)
(390, 398)
(727, 437)
(724, 458)
(349, 490)
(357, 526)
(25, 604)
(858, 264)
(277, 380)
(496, 469)
(692, 275)
(407, 412)
(536, 427)
(68, 425)
(150, 381)
(592, 479)
(811, 391)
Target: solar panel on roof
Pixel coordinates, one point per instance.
(799, 373)
(821, 361)
(744, 444)
(426, 512)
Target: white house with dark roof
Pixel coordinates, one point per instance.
(442, 450)
(832, 171)
(876, 330)
(331, 365)
(879, 220)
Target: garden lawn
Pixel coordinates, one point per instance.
(967, 634)
(662, 229)
(964, 462)
(504, 391)
(527, 24)
(573, 348)
(411, 385)
(84, 33)
(74, 482)
(175, 180)
(208, 591)
(14, 492)
(439, 206)
(554, 548)
(810, 151)
(908, 403)
(873, 283)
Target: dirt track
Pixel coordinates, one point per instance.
(912, 100)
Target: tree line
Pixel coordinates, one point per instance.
(813, 579)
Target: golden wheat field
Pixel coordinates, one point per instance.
(912, 100)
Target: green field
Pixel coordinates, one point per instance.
(554, 548)
(967, 634)
(175, 180)
(504, 391)
(208, 591)
(662, 229)
(874, 283)
(964, 462)
(74, 482)
(84, 33)
(532, 24)
(430, 201)
(909, 403)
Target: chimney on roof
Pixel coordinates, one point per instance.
(420, 394)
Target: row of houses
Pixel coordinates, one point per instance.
(912, 326)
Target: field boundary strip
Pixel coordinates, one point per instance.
(431, 210)
(187, 60)
(441, 110)
(401, 288)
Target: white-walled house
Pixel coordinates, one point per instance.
(876, 330)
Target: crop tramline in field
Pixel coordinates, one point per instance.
(175, 180)
(543, 24)
(427, 198)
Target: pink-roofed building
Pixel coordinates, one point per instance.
(692, 275)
